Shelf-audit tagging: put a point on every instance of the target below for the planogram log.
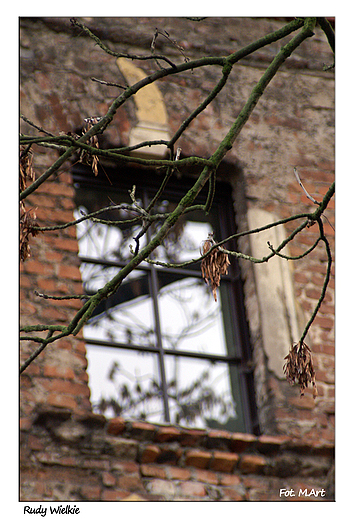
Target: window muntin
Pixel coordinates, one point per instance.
(179, 355)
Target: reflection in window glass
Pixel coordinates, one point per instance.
(125, 383)
(127, 316)
(197, 323)
(200, 394)
(184, 242)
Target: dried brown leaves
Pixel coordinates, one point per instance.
(213, 265)
(27, 220)
(26, 167)
(85, 156)
(299, 368)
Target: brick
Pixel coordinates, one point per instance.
(108, 479)
(55, 371)
(218, 439)
(141, 430)
(167, 433)
(36, 267)
(51, 313)
(130, 483)
(69, 272)
(231, 494)
(179, 473)
(150, 470)
(96, 464)
(269, 443)
(90, 492)
(324, 323)
(35, 444)
(125, 467)
(62, 386)
(55, 458)
(124, 448)
(116, 426)
(150, 454)
(56, 189)
(162, 488)
(224, 462)
(252, 464)
(209, 477)
(113, 495)
(192, 489)
(25, 423)
(230, 480)
(198, 458)
(63, 244)
(306, 402)
(63, 401)
(192, 437)
(134, 497)
(240, 441)
(46, 284)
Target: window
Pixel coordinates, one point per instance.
(160, 348)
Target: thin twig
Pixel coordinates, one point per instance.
(71, 297)
(106, 49)
(301, 185)
(109, 83)
(173, 42)
(325, 284)
(302, 255)
(24, 118)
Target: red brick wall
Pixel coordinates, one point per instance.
(58, 377)
(291, 126)
(66, 457)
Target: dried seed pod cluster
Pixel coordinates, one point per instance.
(214, 265)
(299, 368)
(87, 157)
(27, 221)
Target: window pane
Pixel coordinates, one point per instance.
(200, 394)
(110, 241)
(190, 318)
(185, 240)
(126, 316)
(125, 383)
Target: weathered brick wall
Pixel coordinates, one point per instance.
(291, 126)
(59, 376)
(68, 457)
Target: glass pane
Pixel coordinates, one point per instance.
(190, 318)
(102, 241)
(200, 394)
(125, 383)
(126, 316)
(106, 241)
(185, 240)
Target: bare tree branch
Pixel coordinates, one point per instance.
(68, 145)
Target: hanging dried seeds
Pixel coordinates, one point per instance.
(299, 368)
(26, 167)
(85, 156)
(213, 265)
(27, 221)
